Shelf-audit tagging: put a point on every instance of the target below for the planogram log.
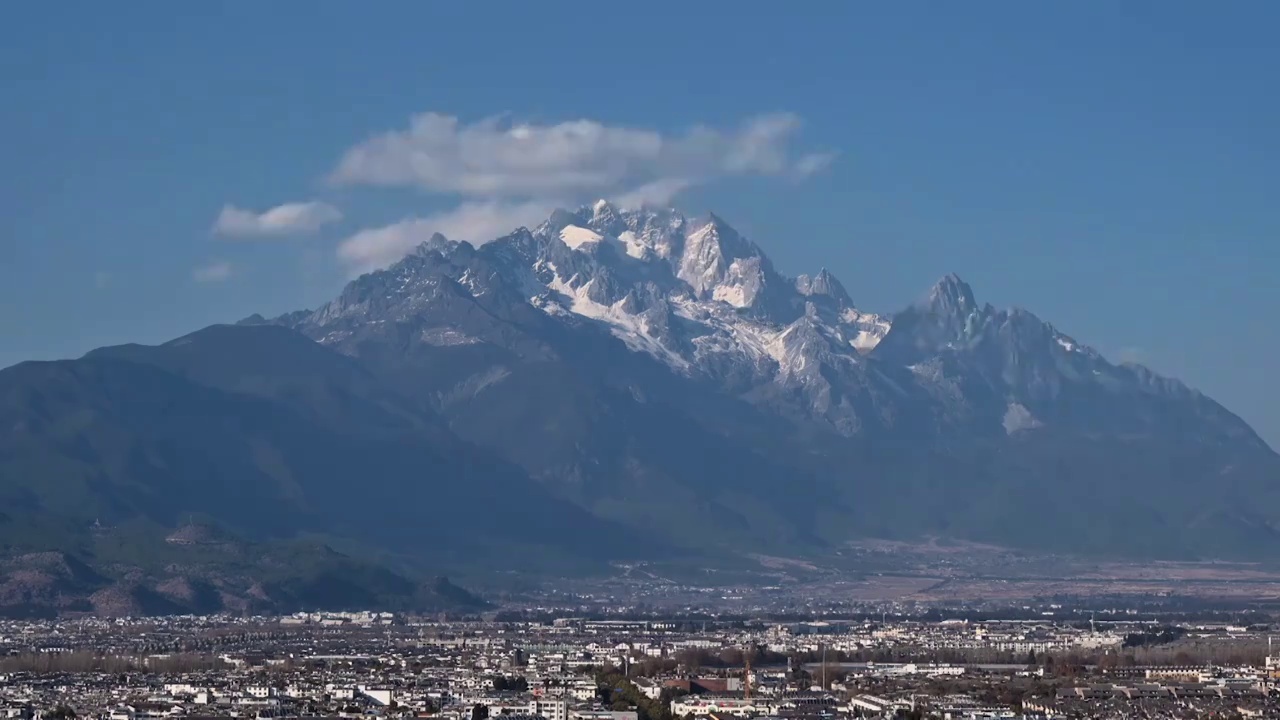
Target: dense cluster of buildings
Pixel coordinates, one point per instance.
(378, 665)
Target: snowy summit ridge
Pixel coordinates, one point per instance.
(707, 302)
(691, 292)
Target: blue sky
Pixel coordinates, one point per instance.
(1109, 166)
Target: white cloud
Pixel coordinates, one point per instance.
(512, 174)
(476, 222)
(495, 159)
(658, 192)
(215, 271)
(812, 164)
(287, 219)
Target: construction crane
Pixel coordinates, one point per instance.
(747, 652)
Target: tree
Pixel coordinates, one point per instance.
(517, 683)
(480, 712)
(668, 694)
(622, 692)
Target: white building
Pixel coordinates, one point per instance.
(260, 691)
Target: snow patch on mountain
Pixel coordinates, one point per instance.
(576, 237)
(634, 247)
(633, 330)
(865, 341)
(869, 329)
(446, 337)
(1018, 418)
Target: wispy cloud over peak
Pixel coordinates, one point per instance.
(658, 192)
(812, 164)
(494, 158)
(288, 219)
(476, 222)
(514, 173)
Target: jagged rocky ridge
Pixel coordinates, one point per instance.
(708, 304)
(948, 417)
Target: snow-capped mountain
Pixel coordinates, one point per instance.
(622, 384)
(693, 294)
(706, 302)
(609, 350)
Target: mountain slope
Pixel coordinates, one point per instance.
(609, 385)
(599, 425)
(274, 437)
(620, 356)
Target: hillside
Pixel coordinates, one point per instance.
(610, 385)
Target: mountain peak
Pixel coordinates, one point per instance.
(603, 208)
(713, 228)
(951, 296)
(720, 224)
(559, 220)
(712, 251)
(604, 217)
(436, 243)
(825, 284)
